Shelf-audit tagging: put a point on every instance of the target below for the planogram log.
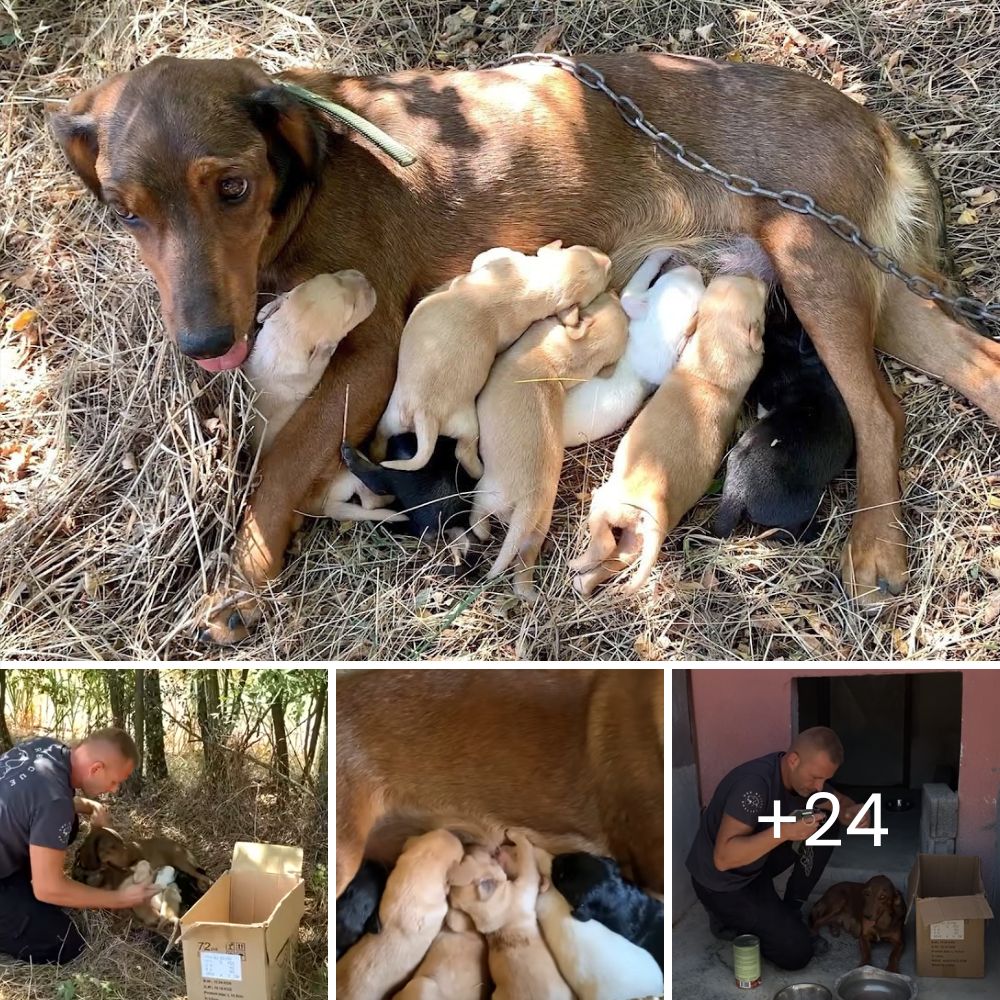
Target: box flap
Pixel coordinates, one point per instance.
(213, 907)
(933, 911)
(274, 859)
(284, 921)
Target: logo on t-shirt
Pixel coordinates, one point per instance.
(17, 764)
(752, 803)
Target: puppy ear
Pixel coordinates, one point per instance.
(570, 316)
(579, 331)
(269, 308)
(550, 248)
(544, 884)
(755, 337)
(485, 888)
(607, 371)
(323, 351)
(75, 127)
(899, 906)
(635, 306)
(456, 920)
(690, 329)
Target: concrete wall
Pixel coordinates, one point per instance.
(743, 713)
(684, 793)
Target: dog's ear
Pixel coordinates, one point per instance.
(635, 306)
(755, 337)
(899, 907)
(690, 328)
(607, 371)
(544, 884)
(296, 138)
(550, 248)
(75, 127)
(579, 330)
(456, 920)
(570, 316)
(485, 888)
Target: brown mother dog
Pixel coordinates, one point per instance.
(231, 186)
(572, 758)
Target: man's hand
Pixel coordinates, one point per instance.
(851, 812)
(135, 895)
(802, 829)
(97, 812)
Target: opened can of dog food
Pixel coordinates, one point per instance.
(746, 961)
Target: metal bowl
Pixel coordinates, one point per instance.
(804, 991)
(867, 983)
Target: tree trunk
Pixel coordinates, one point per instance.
(156, 760)
(6, 740)
(313, 742)
(208, 719)
(280, 736)
(115, 681)
(322, 819)
(134, 784)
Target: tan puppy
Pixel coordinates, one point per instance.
(669, 455)
(521, 416)
(105, 850)
(163, 910)
(455, 967)
(412, 911)
(504, 910)
(453, 335)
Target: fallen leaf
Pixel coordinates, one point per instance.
(22, 320)
(973, 192)
(969, 217)
(705, 31)
(950, 130)
(992, 500)
(986, 198)
(547, 40)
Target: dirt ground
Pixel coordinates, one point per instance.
(120, 474)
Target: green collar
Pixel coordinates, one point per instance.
(373, 133)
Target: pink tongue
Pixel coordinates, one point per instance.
(233, 358)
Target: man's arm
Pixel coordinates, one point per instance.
(737, 845)
(97, 811)
(50, 885)
(848, 808)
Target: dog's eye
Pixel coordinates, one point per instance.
(233, 188)
(124, 214)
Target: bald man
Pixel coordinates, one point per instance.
(735, 856)
(39, 812)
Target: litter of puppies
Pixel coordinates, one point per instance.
(503, 368)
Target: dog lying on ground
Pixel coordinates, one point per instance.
(455, 967)
(869, 911)
(667, 459)
(596, 962)
(595, 889)
(778, 470)
(521, 418)
(104, 858)
(451, 338)
(162, 912)
(501, 904)
(357, 906)
(576, 760)
(411, 913)
(260, 192)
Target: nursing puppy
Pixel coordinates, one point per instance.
(453, 335)
(596, 962)
(669, 455)
(520, 415)
(163, 910)
(411, 913)
(357, 905)
(777, 472)
(503, 908)
(594, 887)
(436, 499)
(455, 968)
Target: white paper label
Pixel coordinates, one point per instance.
(218, 965)
(948, 930)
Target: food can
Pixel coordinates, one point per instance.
(746, 961)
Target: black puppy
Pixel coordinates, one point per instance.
(437, 499)
(595, 889)
(357, 905)
(779, 468)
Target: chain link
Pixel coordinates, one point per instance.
(747, 187)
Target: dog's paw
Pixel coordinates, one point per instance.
(873, 566)
(229, 616)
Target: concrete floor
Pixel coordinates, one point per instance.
(703, 965)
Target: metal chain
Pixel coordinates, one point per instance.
(747, 187)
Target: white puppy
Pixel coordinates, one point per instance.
(597, 963)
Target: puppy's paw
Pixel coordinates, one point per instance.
(229, 617)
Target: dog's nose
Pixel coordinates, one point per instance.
(209, 342)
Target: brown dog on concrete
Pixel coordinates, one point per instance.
(870, 911)
(105, 858)
(231, 186)
(570, 757)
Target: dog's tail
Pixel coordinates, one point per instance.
(427, 429)
(729, 515)
(519, 532)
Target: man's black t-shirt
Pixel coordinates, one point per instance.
(746, 793)
(36, 801)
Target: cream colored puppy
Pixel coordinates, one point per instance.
(453, 335)
(504, 910)
(412, 911)
(300, 332)
(455, 967)
(163, 910)
(669, 455)
(521, 419)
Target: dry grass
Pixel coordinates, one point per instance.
(121, 477)
(121, 966)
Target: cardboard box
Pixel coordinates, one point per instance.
(946, 890)
(239, 938)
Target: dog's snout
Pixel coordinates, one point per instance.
(207, 342)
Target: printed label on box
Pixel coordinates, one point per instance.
(217, 965)
(948, 930)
